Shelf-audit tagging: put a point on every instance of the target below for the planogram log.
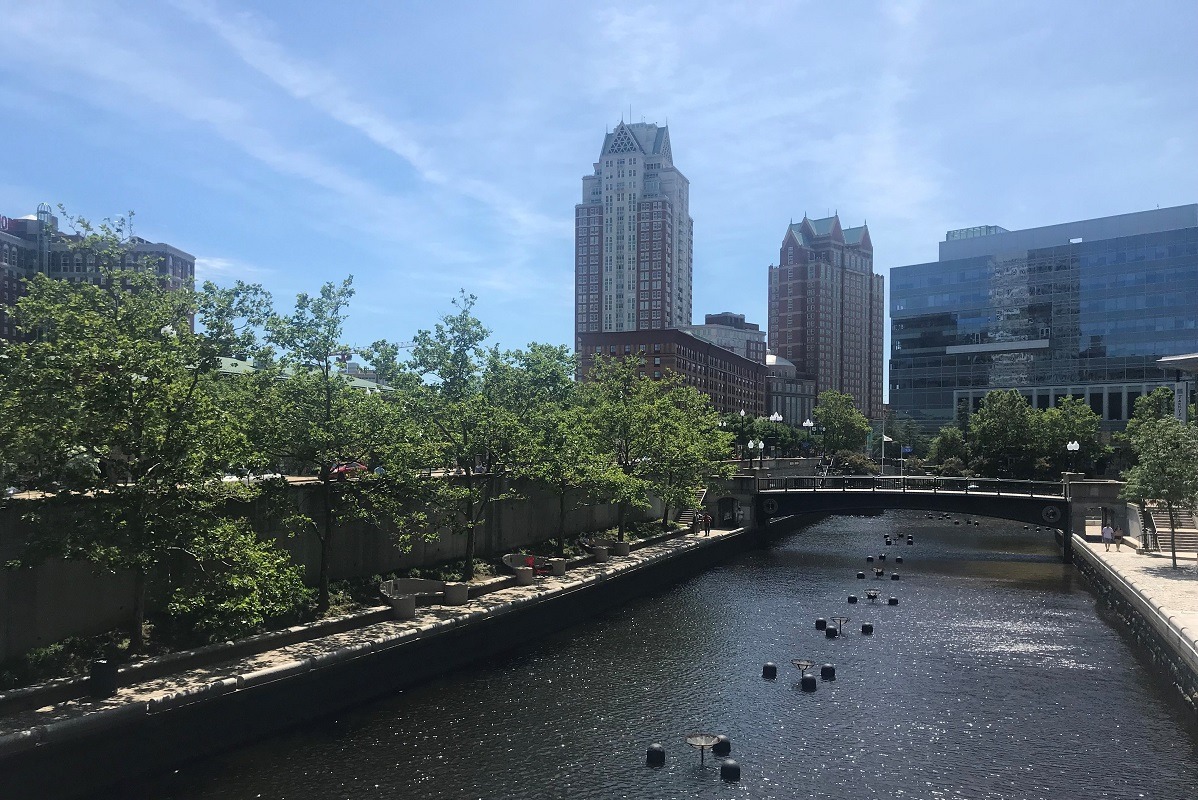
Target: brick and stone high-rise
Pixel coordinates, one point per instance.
(633, 237)
(827, 309)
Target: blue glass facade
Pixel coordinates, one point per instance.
(1087, 317)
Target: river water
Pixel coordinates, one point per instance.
(996, 676)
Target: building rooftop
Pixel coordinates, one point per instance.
(645, 138)
(1185, 363)
(991, 240)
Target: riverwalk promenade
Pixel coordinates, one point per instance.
(1165, 598)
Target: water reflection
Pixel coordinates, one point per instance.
(995, 677)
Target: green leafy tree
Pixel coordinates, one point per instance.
(953, 467)
(548, 439)
(562, 454)
(109, 408)
(1156, 405)
(692, 445)
(661, 437)
(467, 403)
(999, 435)
(305, 414)
(622, 406)
(948, 444)
(851, 462)
(1071, 420)
(245, 582)
(1167, 450)
(845, 428)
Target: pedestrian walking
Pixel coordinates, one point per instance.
(1118, 535)
(707, 524)
(1108, 535)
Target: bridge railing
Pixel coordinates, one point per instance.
(911, 483)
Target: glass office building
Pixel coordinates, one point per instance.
(1082, 309)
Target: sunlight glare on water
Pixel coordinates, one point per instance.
(996, 676)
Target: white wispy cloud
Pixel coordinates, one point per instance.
(133, 75)
(245, 34)
(223, 270)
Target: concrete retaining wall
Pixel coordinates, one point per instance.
(1169, 645)
(58, 599)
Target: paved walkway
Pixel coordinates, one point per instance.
(191, 685)
(1171, 592)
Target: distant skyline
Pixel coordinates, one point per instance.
(424, 148)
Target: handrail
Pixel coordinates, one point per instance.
(993, 487)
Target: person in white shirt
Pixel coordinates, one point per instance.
(1108, 535)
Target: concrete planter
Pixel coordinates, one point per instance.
(457, 594)
(600, 554)
(557, 566)
(403, 606)
(619, 549)
(524, 576)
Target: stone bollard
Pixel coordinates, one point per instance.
(557, 566)
(600, 554)
(458, 594)
(619, 548)
(525, 576)
(403, 606)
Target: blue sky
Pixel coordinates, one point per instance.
(424, 147)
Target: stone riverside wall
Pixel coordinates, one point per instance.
(1169, 648)
(58, 599)
(83, 754)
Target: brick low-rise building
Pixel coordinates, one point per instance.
(733, 382)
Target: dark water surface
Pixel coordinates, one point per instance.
(996, 676)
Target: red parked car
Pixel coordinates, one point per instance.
(348, 469)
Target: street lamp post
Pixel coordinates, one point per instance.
(760, 445)
(1073, 447)
(808, 425)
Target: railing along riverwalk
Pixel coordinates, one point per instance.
(911, 483)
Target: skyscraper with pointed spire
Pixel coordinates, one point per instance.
(826, 309)
(633, 237)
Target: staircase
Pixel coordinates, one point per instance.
(687, 517)
(1187, 527)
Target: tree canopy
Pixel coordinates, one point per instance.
(109, 407)
(1167, 459)
(844, 427)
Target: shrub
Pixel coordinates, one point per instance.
(236, 583)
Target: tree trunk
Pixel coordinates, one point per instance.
(326, 548)
(138, 623)
(1172, 533)
(561, 521)
(665, 517)
(620, 534)
(468, 567)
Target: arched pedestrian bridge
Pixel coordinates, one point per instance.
(1039, 503)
